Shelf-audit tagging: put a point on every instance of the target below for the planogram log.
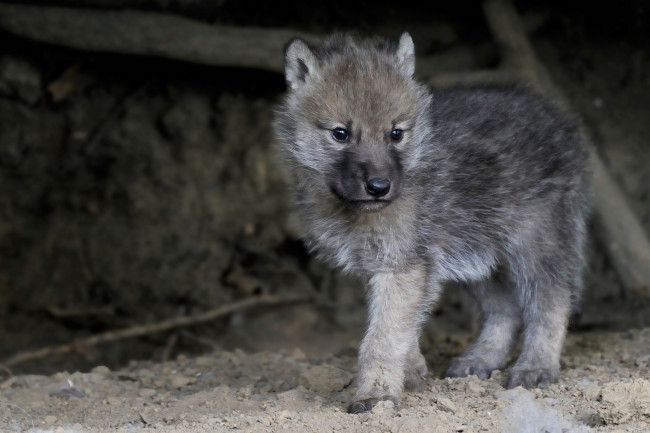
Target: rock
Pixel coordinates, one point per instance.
(474, 387)
(446, 405)
(591, 392)
(180, 381)
(384, 408)
(101, 369)
(298, 355)
(325, 378)
(147, 393)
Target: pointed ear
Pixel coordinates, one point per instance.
(406, 54)
(300, 63)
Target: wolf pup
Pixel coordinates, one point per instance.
(410, 189)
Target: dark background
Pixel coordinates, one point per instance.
(135, 188)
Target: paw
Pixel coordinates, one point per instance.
(414, 376)
(531, 378)
(463, 367)
(362, 405)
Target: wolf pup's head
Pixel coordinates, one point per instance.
(354, 122)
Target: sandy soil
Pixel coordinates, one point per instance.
(600, 390)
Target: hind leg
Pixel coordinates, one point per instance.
(546, 306)
(547, 271)
(501, 316)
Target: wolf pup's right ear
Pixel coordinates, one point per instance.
(406, 54)
(300, 63)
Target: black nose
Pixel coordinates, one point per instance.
(377, 186)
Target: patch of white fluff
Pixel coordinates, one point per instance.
(527, 415)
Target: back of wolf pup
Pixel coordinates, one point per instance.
(483, 185)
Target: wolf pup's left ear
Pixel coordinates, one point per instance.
(300, 63)
(406, 54)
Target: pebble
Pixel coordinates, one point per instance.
(474, 388)
(591, 392)
(298, 355)
(147, 393)
(181, 381)
(101, 369)
(383, 408)
(446, 405)
(325, 378)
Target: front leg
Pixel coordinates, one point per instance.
(398, 303)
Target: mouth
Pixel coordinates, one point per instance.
(371, 205)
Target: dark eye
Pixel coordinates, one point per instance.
(396, 134)
(340, 134)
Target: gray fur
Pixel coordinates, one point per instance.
(487, 187)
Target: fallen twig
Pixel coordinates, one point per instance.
(169, 347)
(200, 340)
(160, 4)
(620, 231)
(149, 34)
(152, 328)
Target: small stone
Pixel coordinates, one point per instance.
(325, 378)
(591, 392)
(147, 393)
(298, 355)
(446, 405)
(146, 418)
(50, 419)
(127, 377)
(204, 361)
(245, 391)
(474, 388)
(101, 369)
(384, 407)
(181, 381)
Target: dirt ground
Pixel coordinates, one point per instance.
(601, 390)
(134, 190)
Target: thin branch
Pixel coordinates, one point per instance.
(150, 34)
(152, 328)
(160, 4)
